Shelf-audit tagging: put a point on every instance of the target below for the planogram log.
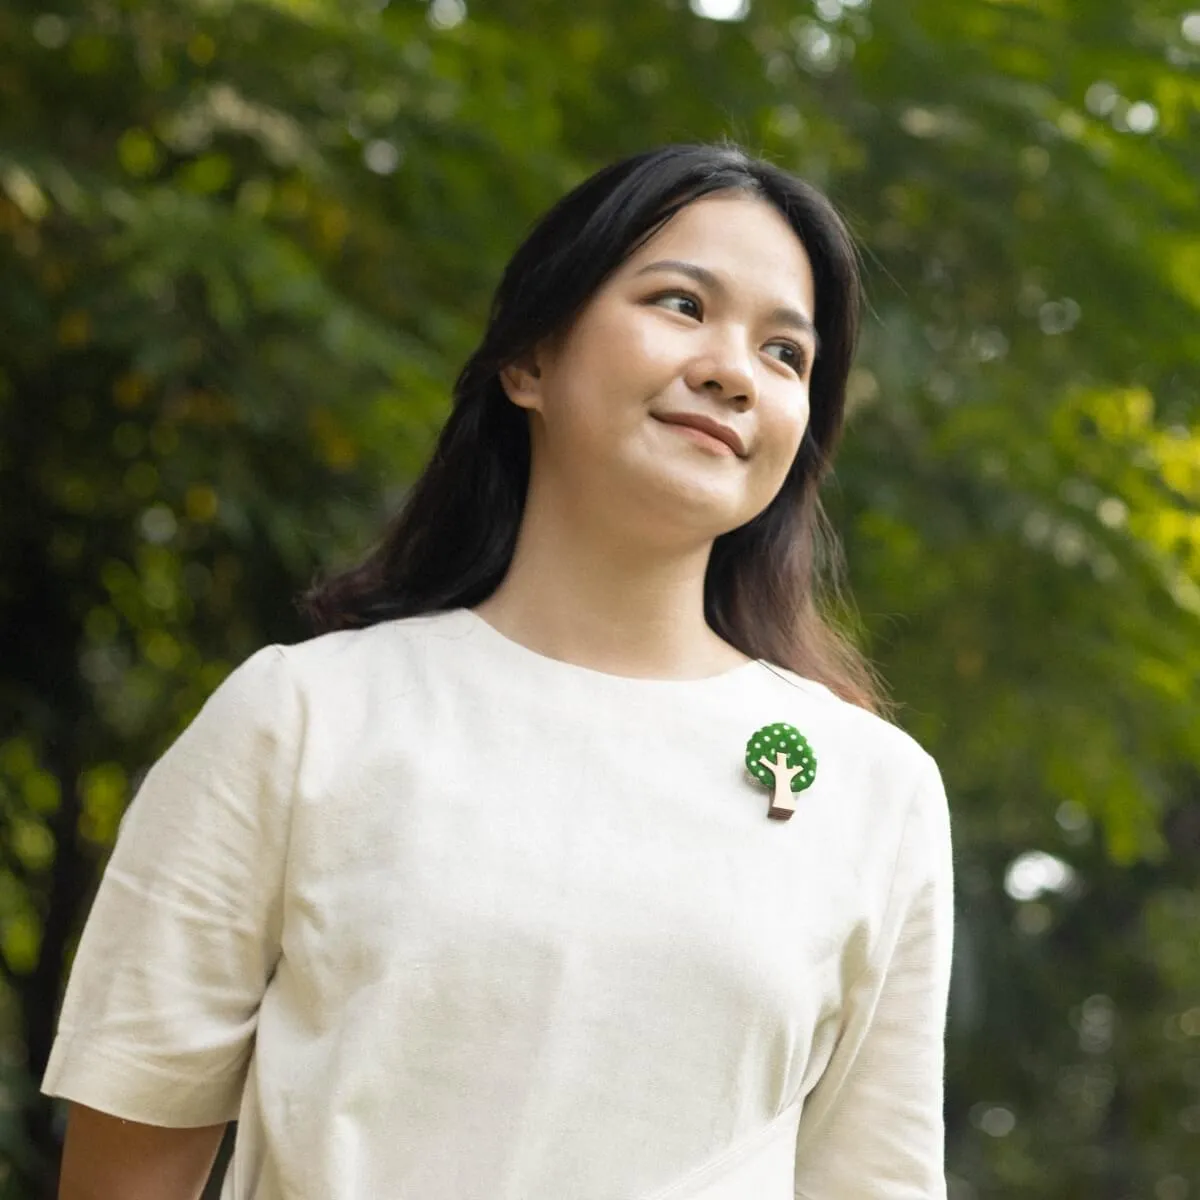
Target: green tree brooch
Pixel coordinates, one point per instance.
(779, 757)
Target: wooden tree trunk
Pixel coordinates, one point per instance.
(783, 799)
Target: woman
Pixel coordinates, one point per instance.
(479, 893)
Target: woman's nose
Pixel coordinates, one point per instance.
(725, 368)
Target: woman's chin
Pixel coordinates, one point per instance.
(685, 503)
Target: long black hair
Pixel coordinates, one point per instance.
(768, 581)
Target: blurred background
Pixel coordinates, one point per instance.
(244, 249)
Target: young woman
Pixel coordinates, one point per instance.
(573, 860)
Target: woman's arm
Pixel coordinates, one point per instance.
(873, 1124)
(160, 1014)
(106, 1158)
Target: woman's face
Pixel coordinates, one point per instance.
(712, 317)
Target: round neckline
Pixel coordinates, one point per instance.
(518, 652)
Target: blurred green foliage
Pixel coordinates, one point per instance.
(246, 246)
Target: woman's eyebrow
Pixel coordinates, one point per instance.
(783, 315)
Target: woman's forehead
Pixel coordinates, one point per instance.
(743, 241)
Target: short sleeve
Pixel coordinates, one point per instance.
(160, 1009)
(873, 1124)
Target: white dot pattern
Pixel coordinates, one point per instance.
(780, 738)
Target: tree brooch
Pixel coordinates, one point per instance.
(779, 757)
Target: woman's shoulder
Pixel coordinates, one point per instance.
(366, 649)
(341, 668)
(846, 727)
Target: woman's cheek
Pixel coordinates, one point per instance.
(780, 443)
(650, 343)
(795, 424)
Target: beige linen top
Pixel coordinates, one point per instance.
(436, 917)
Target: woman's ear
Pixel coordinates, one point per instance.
(522, 381)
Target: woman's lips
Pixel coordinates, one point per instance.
(704, 439)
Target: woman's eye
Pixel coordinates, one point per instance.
(794, 356)
(691, 304)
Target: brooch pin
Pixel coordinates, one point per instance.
(779, 757)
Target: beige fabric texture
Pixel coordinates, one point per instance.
(436, 917)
